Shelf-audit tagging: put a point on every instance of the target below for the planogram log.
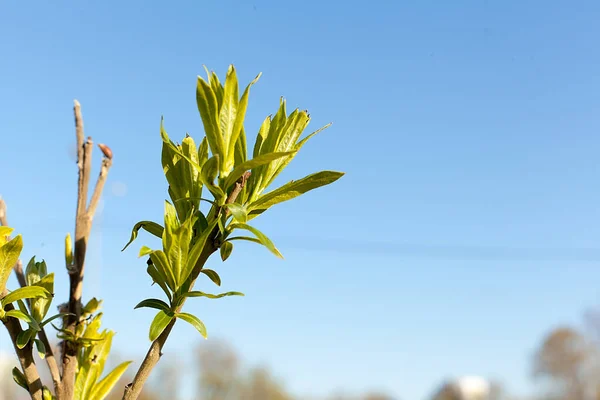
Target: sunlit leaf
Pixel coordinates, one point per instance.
(159, 323)
(153, 303)
(19, 315)
(196, 250)
(27, 292)
(24, 337)
(227, 115)
(209, 112)
(19, 378)
(252, 164)
(40, 348)
(225, 250)
(9, 255)
(149, 226)
(212, 275)
(196, 293)
(264, 240)
(101, 389)
(194, 321)
(294, 189)
(239, 212)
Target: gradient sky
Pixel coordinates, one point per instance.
(467, 225)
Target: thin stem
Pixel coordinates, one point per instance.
(133, 390)
(83, 226)
(25, 355)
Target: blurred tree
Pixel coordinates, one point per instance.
(261, 385)
(219, 371)
(569, 362)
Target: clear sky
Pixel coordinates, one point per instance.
(466, 227)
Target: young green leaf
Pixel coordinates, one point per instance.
(225, 250)
(209, 112)
(264, 240)
(24, 337)
(196, 293)
(161, 263)
(294, 189)
(212, 275)
(5, 232)
(194, 321)
(159, 279)
(40, 348)
(52, 318)
(209, 174)
(196, 250)
(101, 389)
(239, 124)
(9, 255)
(159, 324)
(19, 378)
(154, 303)
(149, 226)
(26, 292)
(239, 212)
(228, 113)
(256, 162)
(19, 315)
(40, 306)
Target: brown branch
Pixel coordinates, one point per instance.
(83, 226)
(133, 390)
(18, 269)
(25, 355)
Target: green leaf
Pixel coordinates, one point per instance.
(158, 279)
(19, 315)
(208, 176)
(9, 255)
(19, 378)
(92, 306)
(159, 324)
(239, 212)
(149, 226)
(247, 238)
(212, 275)
(40, 348)
(47, 394)
(144, 251)
(264, 240)
(24, 337)
(154, 303)
(161, 263)
(196, 250)
(101, 389)
(52, 318)
(284, 163)
(228, 113)
(294, 189)
(256, 162)
(40, 306)
(196, 293)
(194, 321)
(202, 153)
(239, 124)
(209, 112)
(5, 232)
(27, 292)
(176, 242)
(226, 249)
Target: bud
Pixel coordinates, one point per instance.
(106, 151)
(68, 250)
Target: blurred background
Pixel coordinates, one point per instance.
(459, 253)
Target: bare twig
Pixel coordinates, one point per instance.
(18, 268)
(83, 226)
(25, 356)
(133, 390)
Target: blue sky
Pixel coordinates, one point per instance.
(467, 224)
